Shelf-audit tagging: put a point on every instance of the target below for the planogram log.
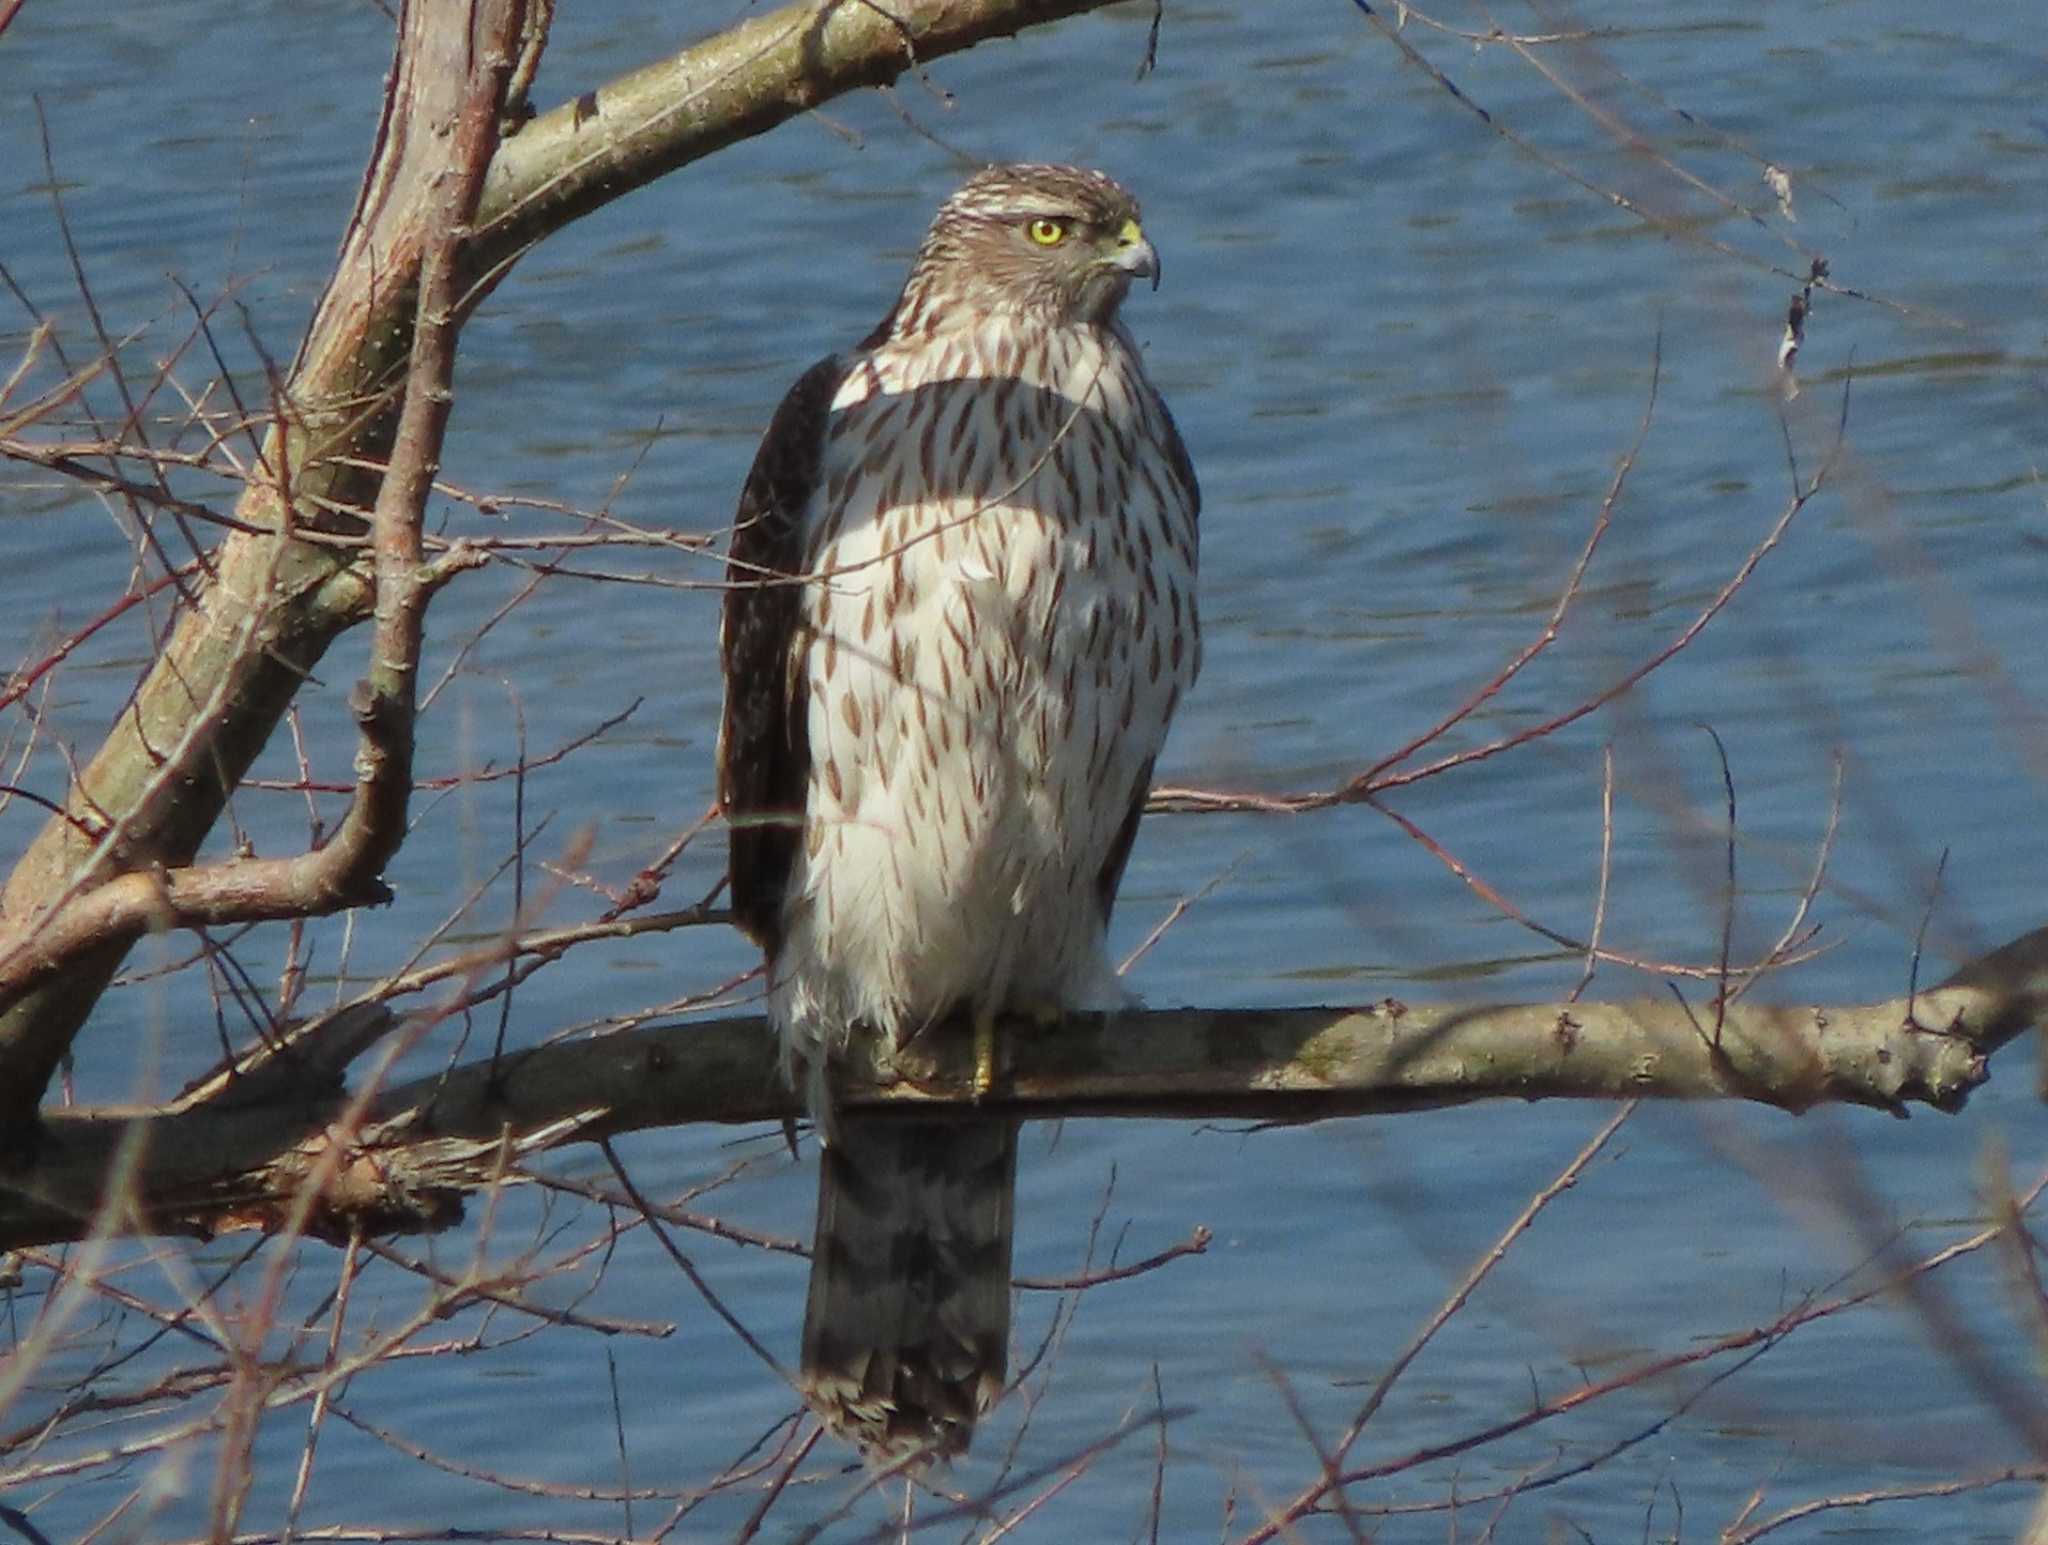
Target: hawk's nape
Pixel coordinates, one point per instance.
(960, 616)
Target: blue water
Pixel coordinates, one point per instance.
(1406, 356)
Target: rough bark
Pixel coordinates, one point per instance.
(241, 1154)
(583, 154)
(272, 601)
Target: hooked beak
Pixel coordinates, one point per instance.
(1135, 255)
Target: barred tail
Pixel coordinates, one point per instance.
(907, 1331)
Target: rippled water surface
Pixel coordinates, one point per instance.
(1407, 348)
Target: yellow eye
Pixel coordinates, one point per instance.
(1047, 233)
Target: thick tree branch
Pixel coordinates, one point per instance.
(385, 701)
(583, 154)
(345, 871)
(412, 1151)
(157, 784)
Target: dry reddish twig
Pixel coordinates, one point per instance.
(1197, 1243)
(497, 1480)
(307, 784)
(1748, 1343)
(982, 1507)
(337, 1317)
(1382, 777)
(682, 1217)
(1333, 1475)
(1554, 625)
(1741, 1532)
(1480, 886)
(1787, 948)
(1176, 912)
(1606, 874)
(774, 1491)
(1679, 226)
(683, 1263)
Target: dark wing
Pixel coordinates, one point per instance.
(1177, 454)
(1111, 874)
(764, 741)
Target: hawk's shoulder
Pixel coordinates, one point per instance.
(1177, 454)
(1169, 442)
(763, 743)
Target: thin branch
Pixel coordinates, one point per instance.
(1332, 1464)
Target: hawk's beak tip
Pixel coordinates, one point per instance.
(1140, 259)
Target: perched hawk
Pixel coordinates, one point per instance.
(961, 614)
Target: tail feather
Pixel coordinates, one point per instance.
(907, 1330)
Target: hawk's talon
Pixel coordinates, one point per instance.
(985, 1049)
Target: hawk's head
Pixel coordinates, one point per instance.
(1058, 244)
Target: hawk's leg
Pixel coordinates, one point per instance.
(988, 1047)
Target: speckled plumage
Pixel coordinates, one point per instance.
(940, 729)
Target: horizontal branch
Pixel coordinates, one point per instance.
(408, 1153)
